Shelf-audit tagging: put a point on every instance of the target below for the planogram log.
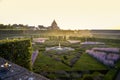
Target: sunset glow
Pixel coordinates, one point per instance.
(69, 14)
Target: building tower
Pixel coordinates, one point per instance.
(54, 26)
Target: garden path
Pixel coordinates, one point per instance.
(118, 76)
(34, 56)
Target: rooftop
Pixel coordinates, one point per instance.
(17, 72)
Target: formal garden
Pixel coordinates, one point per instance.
(83, 54)
(61, 59)
(73, 65)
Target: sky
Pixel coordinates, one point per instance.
(69, 14)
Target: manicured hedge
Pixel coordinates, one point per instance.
(111, 74)
(94, 39)
(17, 51)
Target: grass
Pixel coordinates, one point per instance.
(47, 64)
(111, 74)
(87, 62)
(113, 44)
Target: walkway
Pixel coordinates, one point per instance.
(34, 56)
(118, 76)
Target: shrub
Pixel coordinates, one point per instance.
(87, 77)
(17, 51)
(110, 74)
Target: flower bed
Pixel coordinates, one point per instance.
(108, 59)
(114, 50)
(92, 43)
(74, 41)
(40, 40)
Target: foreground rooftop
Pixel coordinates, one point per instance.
(17, 72)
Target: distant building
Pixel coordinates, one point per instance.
(53, 26)
(32, 28)
(41, 27)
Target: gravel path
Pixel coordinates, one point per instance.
(34, 56)
(118, 76)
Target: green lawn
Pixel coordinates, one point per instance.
(45, 63)
(87, 62)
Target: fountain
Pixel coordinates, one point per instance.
(59, 48)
